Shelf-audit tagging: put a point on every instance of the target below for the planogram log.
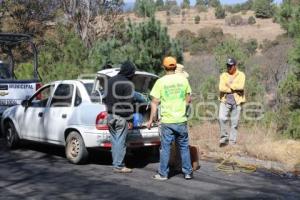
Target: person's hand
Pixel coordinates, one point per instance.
(149, 124)
(130, 125)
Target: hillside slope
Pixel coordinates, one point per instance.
(263, 29)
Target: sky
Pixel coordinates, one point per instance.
(222, 1)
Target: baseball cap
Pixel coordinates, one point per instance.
(169, 62)
(231, 61)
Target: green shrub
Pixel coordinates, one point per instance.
(293, 125)
(206, 40)
(263, 8)
(197, 19)
(208, 86)
(145, 44)
(63, 56)
(197, 47)
(201, 8)
(210, 32)
(250, 46)
(232, 9)
(185, 4)
(220, 12)
(289, 17)
(175, 10)
(160, 5)
(235, 20)
(169, 4)
(230, 48)
(144, 8)
(185, 38)
(214, 3)
(251, 20)
(267, 44)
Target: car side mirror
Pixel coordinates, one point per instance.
(25, 103)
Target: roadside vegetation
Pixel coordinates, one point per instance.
(79, 38)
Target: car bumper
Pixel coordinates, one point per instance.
(135, 138)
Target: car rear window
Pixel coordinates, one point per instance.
(95, 97)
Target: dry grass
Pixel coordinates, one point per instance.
(263, 29)
(254, 142)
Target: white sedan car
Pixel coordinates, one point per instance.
(66, 113)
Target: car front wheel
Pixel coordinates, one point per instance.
(76, 151)
(11, 135)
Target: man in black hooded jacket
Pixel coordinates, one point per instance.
(119, 101)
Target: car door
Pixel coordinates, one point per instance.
(33, 116)
(58, 114)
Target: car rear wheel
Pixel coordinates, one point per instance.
(11, 135)
(75, 149)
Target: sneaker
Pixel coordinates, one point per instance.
(122, 170)
(232, 143)
(188, 176)
(223, 142)
(159, 177)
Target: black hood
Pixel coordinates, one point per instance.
(127, 69)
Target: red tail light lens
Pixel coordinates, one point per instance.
(38, 86)
(101, 121)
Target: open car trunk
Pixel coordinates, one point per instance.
(141, 100)
(143, 83)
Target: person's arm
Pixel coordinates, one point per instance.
(188, 98)
(154, 105)
(239, 82)
(223, 86)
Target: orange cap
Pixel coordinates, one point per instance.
(169, 62)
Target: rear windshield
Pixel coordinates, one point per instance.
(95, 96)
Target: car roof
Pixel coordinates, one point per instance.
(73, 81)
(114, 71)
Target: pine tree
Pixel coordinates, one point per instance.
(289, 90)
(186, 4)
(159, 4)
(289, 17)
(263, 8)
(202, 3)
(145, 44)
(151, 43)
(220, 12)
(214, 3)
(145, 8)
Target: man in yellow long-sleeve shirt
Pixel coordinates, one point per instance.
(231, 89)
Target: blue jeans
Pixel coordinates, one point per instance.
(118, 129)
(179, 133)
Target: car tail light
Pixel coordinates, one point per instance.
(101, 121)
(38, 86)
